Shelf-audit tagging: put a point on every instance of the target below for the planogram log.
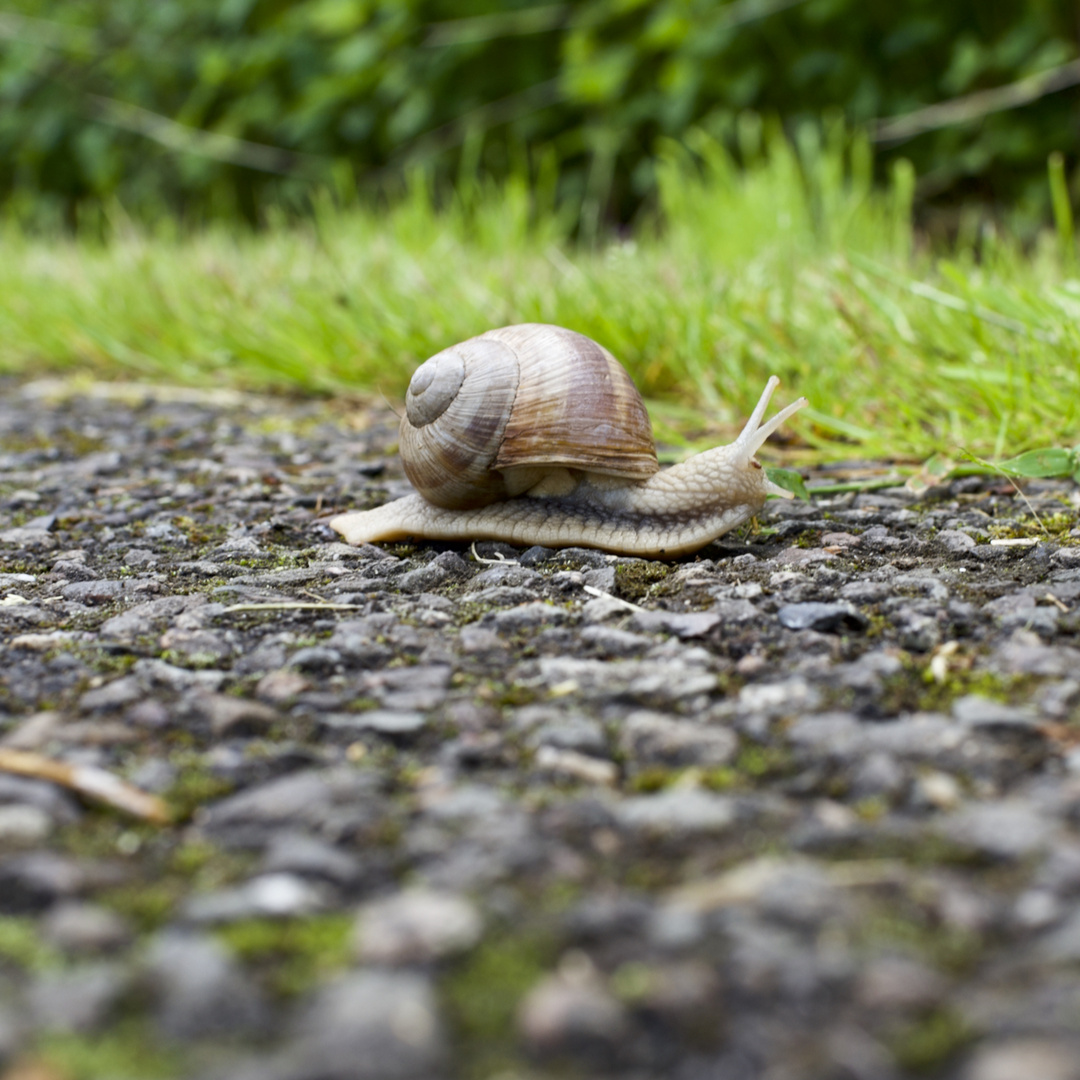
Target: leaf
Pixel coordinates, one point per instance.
(934, 470)
(1050, 461)
(789, 480)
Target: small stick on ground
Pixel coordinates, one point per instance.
(87, 780)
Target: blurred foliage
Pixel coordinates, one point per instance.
(225, 107)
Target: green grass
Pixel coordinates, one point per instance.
(795, 265)
(129, 1052)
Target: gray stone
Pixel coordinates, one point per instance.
(677, 812)
(357, 640)
(23, 826)
(603, 608)
(16, 581)
(981, 712)
(424, 578)
(614, 642)
(862, 591)
(796, 556)
(40, 794)
(371, 1025)
(656, 738)
(1024, 654)
(268, 896)
(799, 893)
(27, 537)
(895, 984)
(31, 882)
(749, 883)
(466, 802)
(78, 1000)
(525, 617)
(572, 1015)
(1059, 698)
(667, 681)
(233, 716)
(855, 1055)
(97, 592)
(316, 659)
(923, 736)
(574, 766)
(955, 541)
(507, 574)
(384, 721)
(836, 618)
(869, 671)
(574, 732)
(537, 555)
(157, 674)
(416, 926)
(12, 1035)
(601, 577)
(922, 583)
(1004, 830)
(502, 596)
(443, 567)
(1023, 1058)
(734, 611)
(476, 640)
(112, 696)
(199, 648)
(794, 695)
(878, 775)
(1062, 944)
(280, 687)
(312, 797)
(409, 689)
(689, 624)
(78, 927)
(310, 857)
(148, 714)
(199, 989)
(137, 557)
(917, 632)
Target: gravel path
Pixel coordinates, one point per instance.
(805, 806)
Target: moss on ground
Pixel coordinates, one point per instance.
(928, 1043)
(635, 580)
(291, 956)
(22, 946)
(131, 1050)
(482, 993)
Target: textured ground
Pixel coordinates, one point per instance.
(805, 806)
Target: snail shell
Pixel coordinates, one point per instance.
(490, 418)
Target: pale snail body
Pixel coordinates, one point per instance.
(534, 434)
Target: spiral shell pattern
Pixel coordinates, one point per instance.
(486, 419)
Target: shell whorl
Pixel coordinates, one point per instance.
(456, 409)
(487, 419)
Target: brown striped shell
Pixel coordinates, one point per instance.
(489, 418)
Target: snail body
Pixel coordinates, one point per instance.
(534, 434)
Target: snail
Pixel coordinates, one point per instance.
(534, 434)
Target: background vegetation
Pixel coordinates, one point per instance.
(218, 108)
(794, 264)
(715, 190)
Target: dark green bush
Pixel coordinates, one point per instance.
(223, 107)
